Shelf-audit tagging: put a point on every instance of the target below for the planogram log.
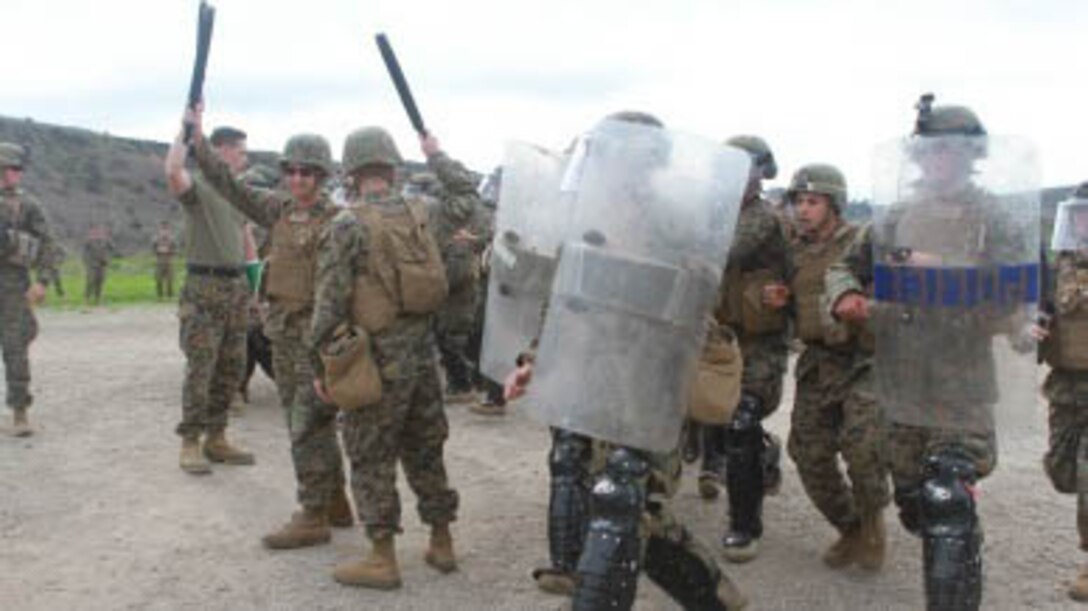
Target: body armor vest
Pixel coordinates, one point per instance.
(1067, 347)
(293, 260)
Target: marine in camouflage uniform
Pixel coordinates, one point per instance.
(834, 412)
(212, 314)
(935, 469)
(26, 243)
(164, 246)
(609, 518)
(98, 250)
(383, 236)
(294, 217)
(1065, 349)
(758, 259)
(460, 228)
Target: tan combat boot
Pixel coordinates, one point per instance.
(843, 552)
(306, 528)
(440, 553)
(1078, 590)
(555, 581)
(22, 424)
(872, 543)
(218, 449)
(340, 515)
(192, 462)
(709, 489)
(378, 570)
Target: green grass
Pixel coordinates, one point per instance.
(129, 281)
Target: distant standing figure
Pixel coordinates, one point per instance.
(165, 247)
(98, 250)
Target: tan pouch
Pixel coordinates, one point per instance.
(421, 274)
(351, 375)
(372, 307)
(1069, 343)
(757, 319)
(716, 390)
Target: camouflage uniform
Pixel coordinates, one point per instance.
(164, 247)
(311, 422)
(408, 425)
(758, 257)
(212, 313)
(97, 252)
(906, 446)
(457, 210)
(18, 327)
(1066, 388)
(834, 410)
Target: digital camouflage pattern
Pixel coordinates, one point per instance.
(1066, 389)
(836, 414)
(18, 327)
(213, 319)
(311, 422)
(409, 424)
(458, 209)
(759, 244)
(905, 446)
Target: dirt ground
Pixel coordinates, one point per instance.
(95, 514)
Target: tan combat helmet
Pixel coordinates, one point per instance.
(308, 150)
(821, 178)
(370, 146)
(12, 155)
(760, 151)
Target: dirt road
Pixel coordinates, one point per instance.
(95, 514)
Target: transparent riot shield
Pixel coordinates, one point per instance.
(652, 219)
(529, 226)
(1070, 232)
(956, 281)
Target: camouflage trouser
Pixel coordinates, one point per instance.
(1066, 459)
(835, 413)
(164, 277)
(18, 328)
(408, 425)
(311, 423)
(454, 325)
(213, 314)
(907, 446)
(765, 360)
(96, 277)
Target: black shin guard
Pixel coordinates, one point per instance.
(744, 479)
(568, 505)
(714, 440)
(682, 575)
(951, 535)
(609, 567)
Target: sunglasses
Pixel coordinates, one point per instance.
(303, 171)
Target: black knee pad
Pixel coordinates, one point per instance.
(682, 575)
(951, 537)
(609, 566)
(568, 503)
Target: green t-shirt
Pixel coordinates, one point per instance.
(213, 228)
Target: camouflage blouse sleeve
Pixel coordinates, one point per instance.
(853, 272)
(338, 249)
(759, 241)
(261, 206)
(49, 253)
(460, 203)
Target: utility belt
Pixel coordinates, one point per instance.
(215, 271)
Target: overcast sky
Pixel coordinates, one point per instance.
(820, 80)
